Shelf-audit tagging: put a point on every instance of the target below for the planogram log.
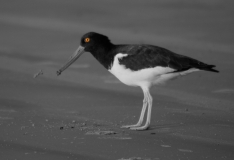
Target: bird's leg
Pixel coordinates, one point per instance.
(139, 123)
(150, 102)
(142, 114)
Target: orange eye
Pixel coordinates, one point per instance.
(87, 40)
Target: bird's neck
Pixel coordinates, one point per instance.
(104, 55)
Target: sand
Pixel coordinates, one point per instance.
(78, 114)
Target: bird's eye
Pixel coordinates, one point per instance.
(87, 40)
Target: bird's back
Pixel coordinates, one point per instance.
(148, 56)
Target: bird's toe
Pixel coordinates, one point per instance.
(130, 126)
(139, 128)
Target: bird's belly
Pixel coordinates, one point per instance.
(143, 77)
(127, 76)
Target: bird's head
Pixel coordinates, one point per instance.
(90, 42)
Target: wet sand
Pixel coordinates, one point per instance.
(78, 114)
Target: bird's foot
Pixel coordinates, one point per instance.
(145, 127)
(136, 127)
(131, 126)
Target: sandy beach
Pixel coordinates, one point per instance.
(78, 114)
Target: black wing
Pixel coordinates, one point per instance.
(147, 56)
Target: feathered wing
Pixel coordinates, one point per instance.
(146, 56)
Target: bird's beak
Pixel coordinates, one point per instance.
(73, 58)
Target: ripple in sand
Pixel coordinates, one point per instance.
(100, 133)
(164, 145)
(225, 90)
(7, 110)
(138, 158)
(185, 150)
(120, 138)
(80, 66)
(111, 81)
(164, 130)
(6, 118)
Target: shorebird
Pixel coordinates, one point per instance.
(137, 65)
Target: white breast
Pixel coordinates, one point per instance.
(144, 77)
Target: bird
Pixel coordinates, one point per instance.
(136, 65)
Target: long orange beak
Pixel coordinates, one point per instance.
(73, 58)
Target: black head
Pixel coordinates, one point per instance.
(97, 44)
(93, 42)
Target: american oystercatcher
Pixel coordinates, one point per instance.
(137, 65)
